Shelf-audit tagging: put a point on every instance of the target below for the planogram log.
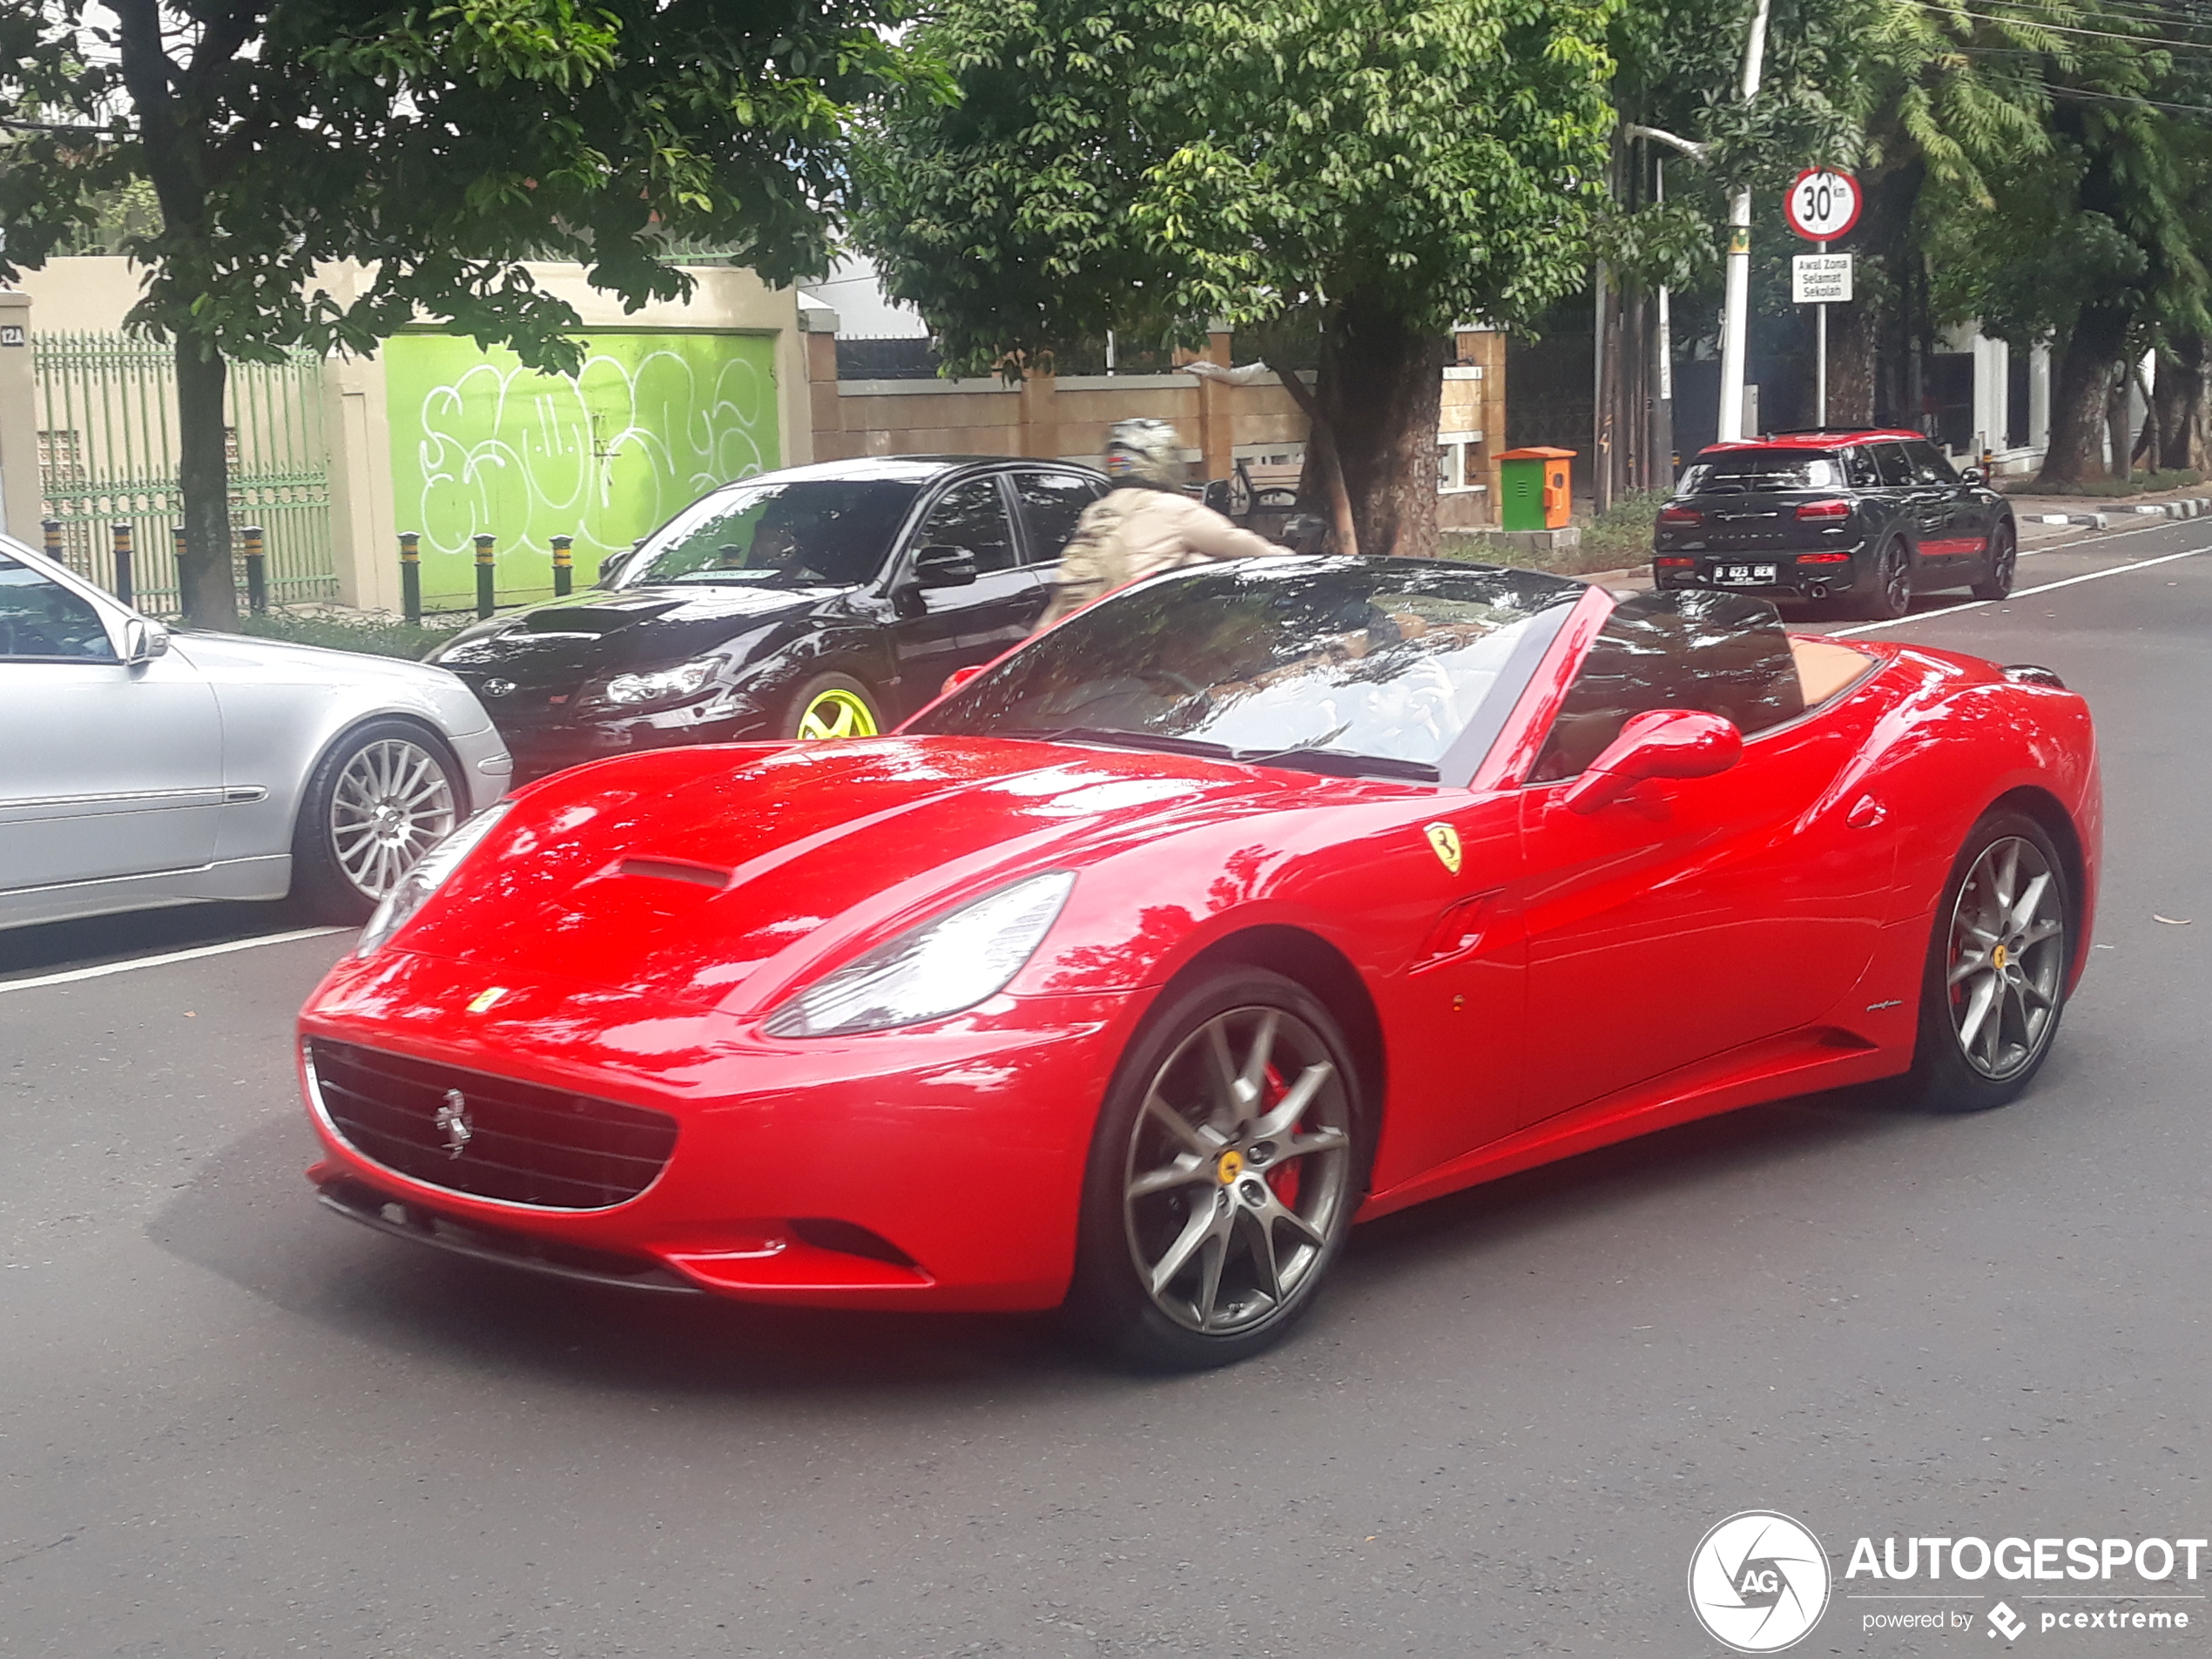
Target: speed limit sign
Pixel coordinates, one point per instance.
(1822, 206)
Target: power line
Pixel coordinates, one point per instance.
(2151, 42)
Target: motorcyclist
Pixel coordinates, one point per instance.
(1145, 524)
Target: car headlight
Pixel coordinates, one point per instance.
(949, 963)
(661, 685)
(428, 874)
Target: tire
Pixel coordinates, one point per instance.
(1889, 594)
(382, 796)
(2004, 562)
(2009, 871)
(1186, 1166)
(831, 705)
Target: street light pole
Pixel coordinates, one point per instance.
(1734, 315)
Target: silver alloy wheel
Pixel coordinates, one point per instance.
(2007, 959)
(392, 803)
(1896, 577)
(2005, 559)
(1237, 1173)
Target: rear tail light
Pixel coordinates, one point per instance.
(1681, 516)
(1818, 510)
(1823, 558)
(1671, 563)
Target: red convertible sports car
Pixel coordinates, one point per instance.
(1248, 903)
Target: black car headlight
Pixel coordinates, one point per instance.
(657, 687)
(946, 965)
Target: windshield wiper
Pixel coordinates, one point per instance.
(1120, 740)
(1340, 763)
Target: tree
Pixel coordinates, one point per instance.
(439, 142)
(1381, 169)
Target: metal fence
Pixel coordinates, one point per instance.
(107, 454)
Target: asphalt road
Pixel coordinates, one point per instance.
(234, 1425)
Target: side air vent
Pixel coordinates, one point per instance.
(2033, 674)
(700, 875)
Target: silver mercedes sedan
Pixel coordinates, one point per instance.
(141, 768)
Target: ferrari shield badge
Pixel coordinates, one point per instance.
(1444, 841)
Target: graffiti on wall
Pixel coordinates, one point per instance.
(482, 445)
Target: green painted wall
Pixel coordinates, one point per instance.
(480, 443)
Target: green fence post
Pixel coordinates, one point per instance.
(257, 571)
(487, 574)
(411, 575)
(564, 567)
(120, 530)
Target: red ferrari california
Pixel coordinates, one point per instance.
(1247, 903)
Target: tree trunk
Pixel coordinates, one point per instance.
(1321, 477)
(1851, 364)
(2118, 447)
(2085, 372)
(1382, 389)
(203, 478)
(2178, 403)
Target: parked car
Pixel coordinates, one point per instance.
(816, 602)
(1249, 901)
(1863, 519)
(140, 767)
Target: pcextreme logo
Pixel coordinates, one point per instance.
(1759, 1581)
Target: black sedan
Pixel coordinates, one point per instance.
(816, 602)
(1861, 519)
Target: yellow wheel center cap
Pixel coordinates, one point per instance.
(1231, 1166)
(1998, 959)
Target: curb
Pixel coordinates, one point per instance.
(2195, 507)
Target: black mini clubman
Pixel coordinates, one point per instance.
(816, 602)
(1858, 520)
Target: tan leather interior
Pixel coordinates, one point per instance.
(1825, 667)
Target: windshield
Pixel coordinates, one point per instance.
(1754, 472)
(1388, 662)
(808, 533)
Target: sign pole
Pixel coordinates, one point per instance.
(1820, 362)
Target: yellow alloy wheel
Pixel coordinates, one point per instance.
(837, 713)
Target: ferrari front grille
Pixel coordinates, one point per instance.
(491, 1137)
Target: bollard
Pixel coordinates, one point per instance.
(487, 574)
(52, 529)
(411, 576)
(177, 547)
(257, 571)
(121, 532)
(563, 568)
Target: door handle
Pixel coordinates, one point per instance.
(1865, 812)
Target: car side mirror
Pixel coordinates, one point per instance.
(1659, 743)
(1972, 476)
(143, 641)
(940, 566)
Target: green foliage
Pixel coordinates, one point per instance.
(438, 142)
(1147, 164)
(356, 630)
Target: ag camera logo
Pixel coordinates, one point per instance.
(1759, 1581)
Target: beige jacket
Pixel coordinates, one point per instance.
(1129, 533)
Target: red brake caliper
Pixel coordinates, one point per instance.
(1282, 1178)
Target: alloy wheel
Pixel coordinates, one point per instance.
(2007, 958)
(1237, 1173)
(393, 804)
(1897, 580)
(837, 713)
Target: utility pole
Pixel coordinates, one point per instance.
(1735, 313)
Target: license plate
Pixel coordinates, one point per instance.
(1749, 575)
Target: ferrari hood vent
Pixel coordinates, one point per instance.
(700, 875)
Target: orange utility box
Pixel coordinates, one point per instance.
(1537, 485)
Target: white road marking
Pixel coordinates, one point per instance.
(2022, 593)
(136, 962)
